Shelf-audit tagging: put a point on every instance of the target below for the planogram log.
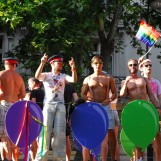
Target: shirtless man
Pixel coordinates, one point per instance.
(137, 88)
(98, 85)
(12, 90)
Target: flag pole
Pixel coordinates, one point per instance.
(148, 50)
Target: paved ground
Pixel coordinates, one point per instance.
(77, 156)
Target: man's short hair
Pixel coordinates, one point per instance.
(96, 57)
(133, 60)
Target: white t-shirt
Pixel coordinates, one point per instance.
(54, 86)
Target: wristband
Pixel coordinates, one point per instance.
(74, 69)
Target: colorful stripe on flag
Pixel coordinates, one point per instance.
(147, 34)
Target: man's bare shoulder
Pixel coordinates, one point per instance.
(6, 74)
(86, 79)
(1, 72)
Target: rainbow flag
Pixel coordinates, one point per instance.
(147, 34)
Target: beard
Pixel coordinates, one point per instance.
(133, 71)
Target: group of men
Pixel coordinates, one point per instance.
(98, 87)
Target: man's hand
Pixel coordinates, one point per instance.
(141, 59)
(44, 58)
(72, 64)
(105, 102)
(89, 99)
(127, 79)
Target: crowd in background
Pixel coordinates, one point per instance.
(54, 93)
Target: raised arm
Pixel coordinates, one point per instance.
(41, 66)
(123, 91)
(73, 78)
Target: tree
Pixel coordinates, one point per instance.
(53, 26)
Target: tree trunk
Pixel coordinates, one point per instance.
(107, 41)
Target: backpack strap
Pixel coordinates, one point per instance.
(108, 85)
(90, 90)
(146, 84)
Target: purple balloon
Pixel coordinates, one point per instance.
(24, 121)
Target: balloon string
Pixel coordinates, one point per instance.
(23, 122)
(27, 132)
(43, 145)
(37, 120)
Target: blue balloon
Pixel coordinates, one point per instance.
(96, 151)
(89, 122)
(77, 144)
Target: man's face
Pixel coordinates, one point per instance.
(31, 84)
(147, 67)
(8, 65)
(97, 64)
(58, 64)
(133, 66)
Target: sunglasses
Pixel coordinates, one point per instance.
(97, 63)
(134, 65)
(59, 61)
(148, 65)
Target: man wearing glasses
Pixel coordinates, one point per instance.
(96, 88)
(145, 67)
(136, 87)
(54, 111)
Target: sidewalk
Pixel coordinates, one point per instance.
(77, 156)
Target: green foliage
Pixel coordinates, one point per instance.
(70, 26)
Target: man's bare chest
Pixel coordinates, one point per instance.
(98, 81)
(136, 84)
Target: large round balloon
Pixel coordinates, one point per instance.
(127, 145)
(89, 122)
(140, 121)
(24, 122)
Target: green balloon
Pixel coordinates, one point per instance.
(140, 121)
(126, 144)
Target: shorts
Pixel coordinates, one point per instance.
(3, 110)
(111, 121)
(116, 117)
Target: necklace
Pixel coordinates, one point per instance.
(56, 78)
